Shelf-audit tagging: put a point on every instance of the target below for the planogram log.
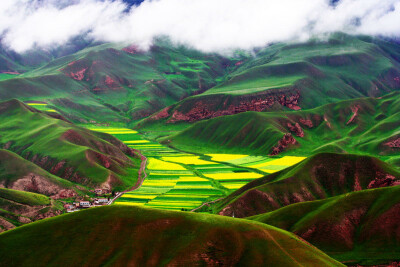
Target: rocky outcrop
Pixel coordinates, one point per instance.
(296, 129)
(211, 106)
(85, 70)
(394, 143)
(38, 184)
(283, 144)
(383, 180)
(354, 109)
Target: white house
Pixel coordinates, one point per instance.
(84, 204)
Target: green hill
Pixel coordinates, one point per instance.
(114, 82)
(356, 228)
(76, 154)
(120, 235)
(317, 177)
(365, 125)
(19, 207)
(298, 76)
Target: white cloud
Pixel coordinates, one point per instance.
(209, 25)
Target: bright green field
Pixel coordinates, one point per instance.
(6, 76)
(183, 181)
(41, 107)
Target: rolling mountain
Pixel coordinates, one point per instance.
(121, 235)
(59, 147)
(20, 174)
(19, 207)
(318, 177)
(122, 83)
(365, 125)
(355, 228)
(297, 76)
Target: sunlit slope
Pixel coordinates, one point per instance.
(119, 235)
(20, 174)
(318, 177)
(184, 181)
(357, 228)
(298, 76)
(365, 125)
(118, 82)
(66, 150)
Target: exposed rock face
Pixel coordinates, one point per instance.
(354, 109)
(383, 180)
(37, 184)
(296, 129)
(286, 141)
(164, 113)
(214, 106)
(395, 143)
(23, 214)
(306, 122)
(5, 225)
(85, 70)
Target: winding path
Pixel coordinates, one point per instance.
(141, 178)
(206, 203)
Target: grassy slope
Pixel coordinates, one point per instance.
(27, 198)
(359, 227)
(20, 207)
(66, 150)
(348, 63)
(331, 130)
(119, 235)
(118, 85)
(317, 177)
(321, 72)
(13, 168)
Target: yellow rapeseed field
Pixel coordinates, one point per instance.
(159, 183)
(225, 157)
(188, 160)
(156, 164)
(191, 179)
(141, 196)
(233, 175)
(285, 161)
(129, 203)
(137, 142)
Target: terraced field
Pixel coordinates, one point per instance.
(184, 181)
(42, 106)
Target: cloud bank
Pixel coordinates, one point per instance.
(207, 25)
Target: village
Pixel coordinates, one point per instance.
(103, 197)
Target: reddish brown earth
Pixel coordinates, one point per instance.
(340, 233)
(24, 213)
(395, 143)
(319, 177)
(86, 70)
(307, 123)
(132, 49)
(286, 142)
(38, 184)
(354, 109)
(214, 106)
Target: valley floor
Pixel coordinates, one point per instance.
(185, 181)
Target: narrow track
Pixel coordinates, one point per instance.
(141, 178)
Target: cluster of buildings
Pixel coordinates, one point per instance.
(84, 204)
(102, 198)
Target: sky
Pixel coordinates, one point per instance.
(207, 25)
